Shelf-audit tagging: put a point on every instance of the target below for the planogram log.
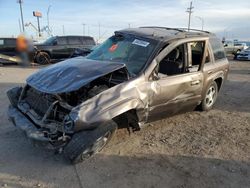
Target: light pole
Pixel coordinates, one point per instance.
(83, 29)
(189, 11)
(49, 31)
(63, 30)
(202, 22)
(21, 11)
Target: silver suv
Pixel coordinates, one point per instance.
(137, 76)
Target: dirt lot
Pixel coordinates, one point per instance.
(196, 149)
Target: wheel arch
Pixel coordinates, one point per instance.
(219, 81)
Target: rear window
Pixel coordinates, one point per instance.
(218, 49)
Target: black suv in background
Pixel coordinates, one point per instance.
(8, 46)
(60, 47)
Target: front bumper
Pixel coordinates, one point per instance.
(37, 136)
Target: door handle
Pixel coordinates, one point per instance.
(196, 82)
(210, 72)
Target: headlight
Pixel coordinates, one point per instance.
(68, 124)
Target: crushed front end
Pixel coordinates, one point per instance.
(42, 117)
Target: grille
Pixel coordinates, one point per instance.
(38, 101)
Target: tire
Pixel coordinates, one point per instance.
(85, 144)
(43, 58)
(210, 97)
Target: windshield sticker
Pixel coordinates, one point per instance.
(113, 47)
(140, 43)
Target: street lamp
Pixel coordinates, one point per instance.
(202, 22)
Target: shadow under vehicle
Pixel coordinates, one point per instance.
(136, 77)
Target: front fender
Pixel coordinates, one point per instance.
(109, 104)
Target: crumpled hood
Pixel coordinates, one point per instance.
(70, 75)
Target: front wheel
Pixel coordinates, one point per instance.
(210, 97)
(42, 58)
(86, 143)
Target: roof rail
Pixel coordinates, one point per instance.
(186, 29)
(167, 28)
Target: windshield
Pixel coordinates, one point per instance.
(134, 52)
(49, 41)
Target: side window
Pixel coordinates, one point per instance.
(218, 49)
(88, 41)
(10, 42)
(195, 55)
(1, 42)
(173, 63)
(74, 40)
(62, 41)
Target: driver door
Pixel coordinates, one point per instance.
(179, 82)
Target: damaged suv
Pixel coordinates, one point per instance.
(137, 76)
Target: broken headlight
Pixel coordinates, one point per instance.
(68, 124)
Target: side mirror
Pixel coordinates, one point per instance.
(225, 45)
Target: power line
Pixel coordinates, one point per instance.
(189, 11)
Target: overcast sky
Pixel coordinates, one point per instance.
(224, 17)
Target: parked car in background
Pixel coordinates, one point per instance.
(136, 77)
(61, 47)
(244, 55)
(234, 47)
(8, 46)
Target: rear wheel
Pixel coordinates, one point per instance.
(210, 97)
(85, 144)
(43, 58)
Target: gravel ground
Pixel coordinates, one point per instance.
(195, 149)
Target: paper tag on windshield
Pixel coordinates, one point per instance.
(140, 43)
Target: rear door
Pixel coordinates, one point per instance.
(74, 42)
(59, 49)
(178, 87)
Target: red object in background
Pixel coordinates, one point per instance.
(113, 48)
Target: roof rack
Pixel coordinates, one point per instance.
(167, 28)
(186, 29)
(177, 29)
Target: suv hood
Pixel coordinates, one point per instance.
(70, 75)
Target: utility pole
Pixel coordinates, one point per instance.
(19, 25)
(189, 11)
(63, 29)
(202, 22)
(83, 29)
(129, 25)
(21, 11)
(99, 31)
(49, 31)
